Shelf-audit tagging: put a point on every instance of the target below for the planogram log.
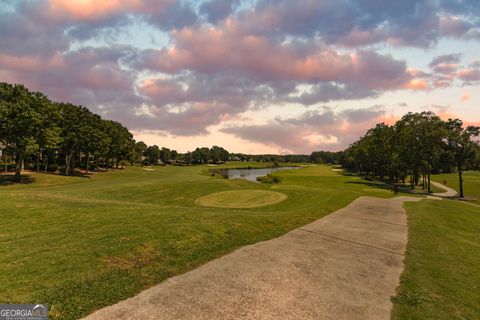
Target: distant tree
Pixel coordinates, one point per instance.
(153, 154)
(165, 155)
(187, 157)
(200, 155)
(174, 155)
(218, 154)
(140, 148)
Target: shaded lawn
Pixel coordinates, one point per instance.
(441, 279)
(81, 244)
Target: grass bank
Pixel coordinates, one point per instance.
(441, 279)
(79, 244)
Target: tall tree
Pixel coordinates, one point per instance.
(460, 145)
(19, 122)
(48, 132)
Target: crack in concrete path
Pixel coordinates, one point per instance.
(300, 275)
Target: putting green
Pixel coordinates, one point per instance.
(241, 199)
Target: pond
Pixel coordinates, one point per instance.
(248, 174)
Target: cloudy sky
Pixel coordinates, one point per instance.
(255, 76)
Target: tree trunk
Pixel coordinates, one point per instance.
(39, 155)
(428, 177)
(67, 164)
(460, 179)
(72, 164)
(6, 163)
(87, 163)
(18, 167)
(46, 164)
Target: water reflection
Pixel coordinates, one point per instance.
(249, 174)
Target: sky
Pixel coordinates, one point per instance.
(253, 76)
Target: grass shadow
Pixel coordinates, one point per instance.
(8, 179)
(379, 185)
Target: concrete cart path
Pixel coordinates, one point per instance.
(449, 192)
(343, 266)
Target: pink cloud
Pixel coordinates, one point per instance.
(469, 74)
(91, 10)
(313, 130)
(465, 97)
(417, 84)
(228, 48)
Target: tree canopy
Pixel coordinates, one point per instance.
(417, 145)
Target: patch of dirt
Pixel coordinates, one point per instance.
(137, 258)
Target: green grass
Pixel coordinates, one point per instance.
(79, 244)
(241, 199)
(441, 279)
(471, 182)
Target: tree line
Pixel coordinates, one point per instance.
(154, 155)
(56, 136)
(416, 146)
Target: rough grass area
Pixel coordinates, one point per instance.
(241, 199)
(441, 279)
(79, 243)
(471, 182)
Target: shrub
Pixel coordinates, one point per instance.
(269, 179)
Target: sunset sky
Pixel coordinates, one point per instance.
(265, 76)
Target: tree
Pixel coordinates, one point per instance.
(48, 132)
(153, 154)
(165, 155)
(460, 145)
(19, 123)
(33, 125)
(140, 148)
(122, 143)
(217, 154)
(200, 155)
(73, 128)
(420, 142)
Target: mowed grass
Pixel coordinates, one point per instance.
(241, 199)
(441, 279)
(471, 182)
(79, 244)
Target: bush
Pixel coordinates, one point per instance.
(269, 179)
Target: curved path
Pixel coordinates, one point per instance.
(343, 266)
(449, 192)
